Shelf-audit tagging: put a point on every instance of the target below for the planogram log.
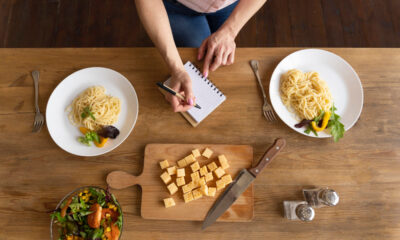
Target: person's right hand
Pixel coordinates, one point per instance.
(181, 83)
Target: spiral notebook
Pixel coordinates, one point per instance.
(208, 96)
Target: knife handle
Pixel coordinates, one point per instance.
(268, 156)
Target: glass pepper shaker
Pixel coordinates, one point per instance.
(321, 197)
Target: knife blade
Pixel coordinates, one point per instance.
(241, 183)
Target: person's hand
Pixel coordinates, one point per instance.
(181, 83)
(218, 49)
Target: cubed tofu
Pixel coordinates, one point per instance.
(164, 164)
(204, 190)
(171, 170)
(180, 172)
(180, 181)
(203, 170)
(209, 177)
(182, 163)
(212, 166)
(195, 176)
(188, 197)
(165, 177)
(195, 166)
(196, 153)
(207, 153)
(190, 159)
(219, 172)
(169, 202)
(220, 184)
(211, 191)
(197, 194)
(223, 161)
(202, 181)
(172, 188)
(227, 179)
(187, 188)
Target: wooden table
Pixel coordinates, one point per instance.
(364, 167)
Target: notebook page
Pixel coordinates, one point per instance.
(207, 95)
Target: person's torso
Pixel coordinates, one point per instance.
(206, 6)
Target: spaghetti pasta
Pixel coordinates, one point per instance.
(306, 94)
(104, 108)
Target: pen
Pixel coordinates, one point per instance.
(169, 90)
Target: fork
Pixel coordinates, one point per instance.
(39, 118)
(267, 109)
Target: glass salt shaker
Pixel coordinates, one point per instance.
(298, 210)
(321, 197)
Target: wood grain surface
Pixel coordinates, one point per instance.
(364, 167)
(154, 190)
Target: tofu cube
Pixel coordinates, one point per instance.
(180, 172)
(202, 181)
(223, 161)
(211, 191)
(197, 194)
(195, 176)
(220, 184)
(172, 188)
(182, 163)
(196, 153)
(203, 170)
(209, 177)
(195, 166)
(164, 164)
(171, 170)
(207, 153)
(204, 190)
(188, 197)
(190, 159)
(227, 179)
(180, 181)
(165, 177)
(169, 202)
(219, 172)
(212, 166)
(187, 188)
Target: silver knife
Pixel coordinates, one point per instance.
(241, 183)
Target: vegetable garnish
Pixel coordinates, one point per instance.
(87, 112)
(90, 214)
(90, 136)
(325, 120)
(109, 132)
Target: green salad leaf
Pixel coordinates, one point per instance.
(335, 126)
(89, 137)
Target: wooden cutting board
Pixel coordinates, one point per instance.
(154, 190)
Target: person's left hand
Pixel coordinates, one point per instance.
(218, 49)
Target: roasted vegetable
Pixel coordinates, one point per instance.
(108, 132)
(325, 120)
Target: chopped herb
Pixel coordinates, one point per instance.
(86, 113)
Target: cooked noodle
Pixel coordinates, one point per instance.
(105, 108)
(305, 93)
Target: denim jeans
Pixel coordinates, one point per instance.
(189, 27)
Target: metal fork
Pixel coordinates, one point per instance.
(267, 109)
(39, 118)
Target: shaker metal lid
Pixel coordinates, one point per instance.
(330, 197)
(305, 212)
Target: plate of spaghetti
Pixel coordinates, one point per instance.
(92, 111)
(316, 93)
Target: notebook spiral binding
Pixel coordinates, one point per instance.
(212, 85)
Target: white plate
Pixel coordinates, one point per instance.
(343, 82)
(65, 134)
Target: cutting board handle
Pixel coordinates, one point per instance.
(121, 179)
(268, 156)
